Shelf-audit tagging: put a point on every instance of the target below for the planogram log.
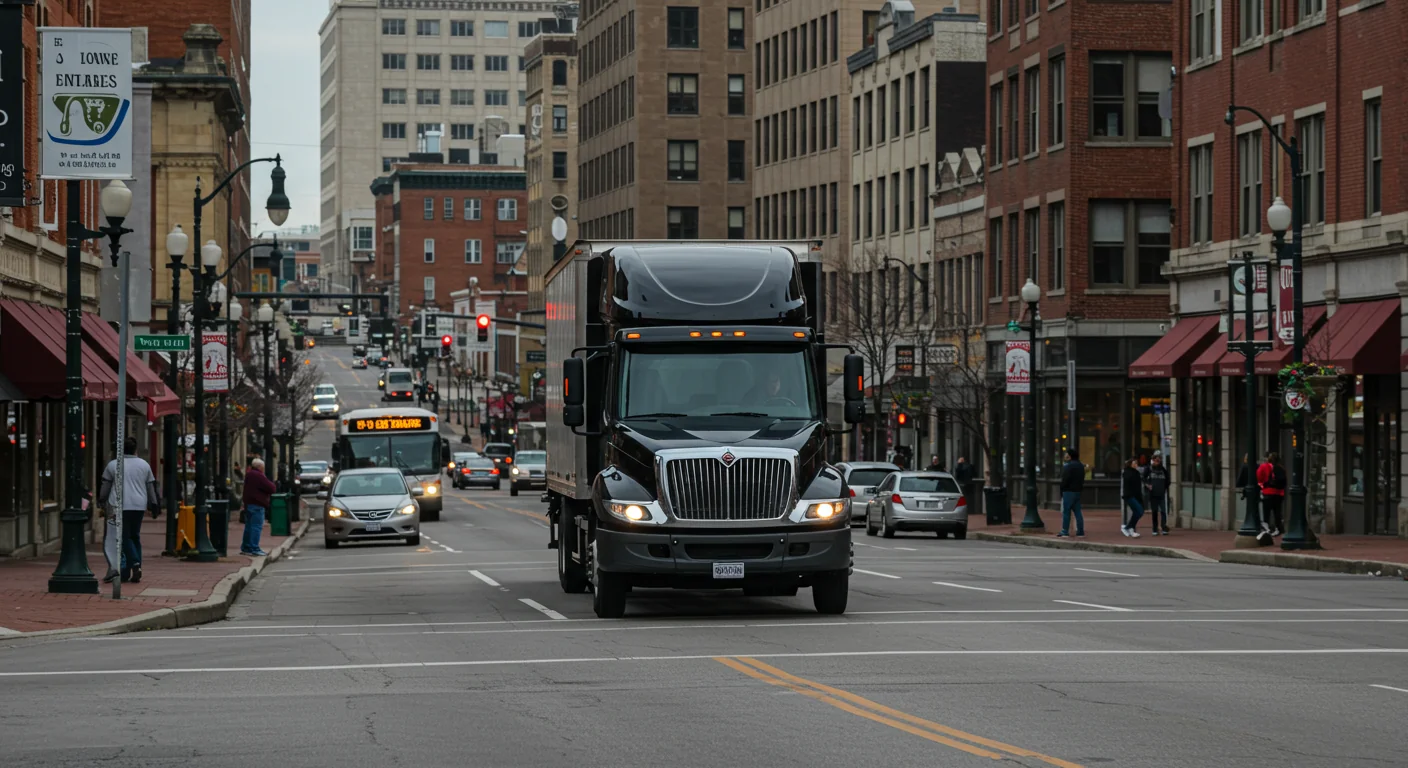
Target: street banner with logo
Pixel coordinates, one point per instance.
(1019, 368)
(214, 362)
(85, 95)
(904, 361)
(1285, 305)
(1259, 290)
(11, 106)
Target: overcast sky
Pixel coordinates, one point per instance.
(284, 104)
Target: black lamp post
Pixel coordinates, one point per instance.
(1249, 347)
(264, 316)
(71, 574)
(1031, 522)
(1281, 217)
(176, 244)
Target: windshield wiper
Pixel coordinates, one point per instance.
(661, 415)
(753, 414)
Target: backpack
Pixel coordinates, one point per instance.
(1278, 477)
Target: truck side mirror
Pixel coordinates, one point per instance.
(574, 375)
(854, 390)
(855, 412)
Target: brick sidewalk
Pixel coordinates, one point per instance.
(1103, 526)
(27, 606)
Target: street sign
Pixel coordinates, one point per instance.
(1285, 304)
(1019, 368)
(944, 354)
(1296, 400)
(904, 361)
(161, 343)
(12, 105)
(85, 99)
(536, 356)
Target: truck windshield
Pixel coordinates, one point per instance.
(413, 453)
(717, 380)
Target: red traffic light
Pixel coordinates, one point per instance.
(482, 321)
(446, 340)
(902, 419)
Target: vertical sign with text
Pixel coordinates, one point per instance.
(1285, 304)
(11, 106)
(1019, 368)
(85, 98)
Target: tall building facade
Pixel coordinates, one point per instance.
(405, 76)
(664, 120)
(551, 150)
(1079, 198)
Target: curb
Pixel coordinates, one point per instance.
(1314, 563)
(211, 609)
(1092, 546)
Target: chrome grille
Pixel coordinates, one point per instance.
(749, 489)
(373, 514)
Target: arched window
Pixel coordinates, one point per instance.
(559, 72)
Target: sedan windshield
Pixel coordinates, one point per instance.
(314, 467)
(718, 380)
(371, 484)
(532, 457)
(929, 484)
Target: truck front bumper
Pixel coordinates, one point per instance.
(686, 560)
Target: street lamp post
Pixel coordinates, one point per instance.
(71, 574)
(205, 268)
(1031, 522)
(176, 243)
(264, 316)
(233, 313)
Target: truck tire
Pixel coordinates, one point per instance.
(830, 591)
(513, 489)
(608, 593)
(572, 576)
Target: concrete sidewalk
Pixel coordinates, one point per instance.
(1381, 555)
(172, 592)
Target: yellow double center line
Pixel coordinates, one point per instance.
(874, 711)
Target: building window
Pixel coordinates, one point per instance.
(461, 97)
(461, 62)
(1311, 184)
(909, 198)
(425, 129)
(735, 29)
(559, 118)
(1277, 157)
(427, 27)
(1033, 76)
(507, 253)
(1115, 256)
(393, 95)
(924, 195)
(362, 239)
(869, 210)
(427, 96)
(995, 248)
(1202, 32)
(462, 131)
(682, 95)
(493, 98)
(1253, 15)
(1057, 70)
(508, 209)
(496, 29)
(393, 26)
(735, 224)
(855, 212)
(429, 282)
(1014, 119)
(428, 62)
(1056, 220)
(449, 209)
(1309, 9)
(393, 61)
(924, 98)
(472, 209)
(1033, 225)
(737, 105)
(473, 252)
(995, 140)
(393, 130)
(460, 28)
(496, 63)
(429, 247)
(1373, 157)
(527, 29)
(559, 72)
(682, 160)
(880, 209)
(1200, 184)
(682, 27)
(1249, 184)
(682, 223)
(559, 165)
(1124, 99)
(894, 109)
(737, 154)
(909, 103)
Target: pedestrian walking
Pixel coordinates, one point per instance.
(1156, 491)
(1072, 484)
(258, 493)
(963, 473)
(139, 494)
(1132, 489)
(1271, 478)
(935, 464)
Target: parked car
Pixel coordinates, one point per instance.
(374, 504)
(918, 501)
(314, 475)
(528, 472)
(477, 471)
(862, 477)
(501, 453)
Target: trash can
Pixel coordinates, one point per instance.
(185, 529)
(218, 525)
(278, 514)
(999, 512)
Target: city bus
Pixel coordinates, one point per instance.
(407, 439)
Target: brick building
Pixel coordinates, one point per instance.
(1078, 196)
(551, 147)
(1331, 75)
(439, 225)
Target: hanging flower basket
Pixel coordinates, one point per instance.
(1302, 383)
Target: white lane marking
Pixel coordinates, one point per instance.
(711, 656)
(1107, 573)
(483, 578)
(1093, 605)
(905, 549)
(965, 586)
(1390, 688)
(857, 543)
(543, 609)
(406, 565)
(875, 573)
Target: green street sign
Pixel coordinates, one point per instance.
(161, 343)
(1014, 326)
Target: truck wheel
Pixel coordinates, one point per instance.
(430, 515)
(608, 595)
(572, 576)
(889, 530)
(513, 489)
(830, 591)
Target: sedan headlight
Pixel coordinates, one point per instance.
(336, 512)
(631, 513)
(826, 510)
(409, 509)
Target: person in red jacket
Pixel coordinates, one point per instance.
(258, 492)
(1271, 476)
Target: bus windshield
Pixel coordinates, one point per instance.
(415, 453)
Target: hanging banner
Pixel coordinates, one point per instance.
(1259, 289)
(85, 98)
(1285, 305)
(1019, 368)
(214, 363)
(12, 106)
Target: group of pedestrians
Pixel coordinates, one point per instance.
(1270, 481)
(141, 496)
(1144, 484)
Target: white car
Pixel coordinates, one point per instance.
(325, 389)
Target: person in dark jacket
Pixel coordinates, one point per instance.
(1132, 489)
(258, 493)
(1072, 483)
(1156, 490)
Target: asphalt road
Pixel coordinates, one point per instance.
(465, 652)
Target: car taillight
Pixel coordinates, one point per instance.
(895, 497)
(493, 471)
(464, 471)
(962, 502)
(853, 493)
(508, 459)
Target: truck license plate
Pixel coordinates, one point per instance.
(373, 527)
(728, 570)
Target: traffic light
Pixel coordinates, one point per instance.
(445, 342)
(482, 323)
(902, 418)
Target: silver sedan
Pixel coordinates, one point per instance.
(372, 505)
(918, 501)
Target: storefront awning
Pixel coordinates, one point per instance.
(32, 354)
(1271, 362)
(164, 404)
(1171, 356)
(1362, 337)
(9, 393)
(142, 381)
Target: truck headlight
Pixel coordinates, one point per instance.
(327, 480)
(825, 510)
(630, 512)
(431, 490)
(515, 470)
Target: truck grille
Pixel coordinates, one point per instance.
(750, 489)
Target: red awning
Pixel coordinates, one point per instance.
(1171, 356)
(1362, 337)
(142, 381)
(1271, 362)
(164, 404)
(32, 354)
